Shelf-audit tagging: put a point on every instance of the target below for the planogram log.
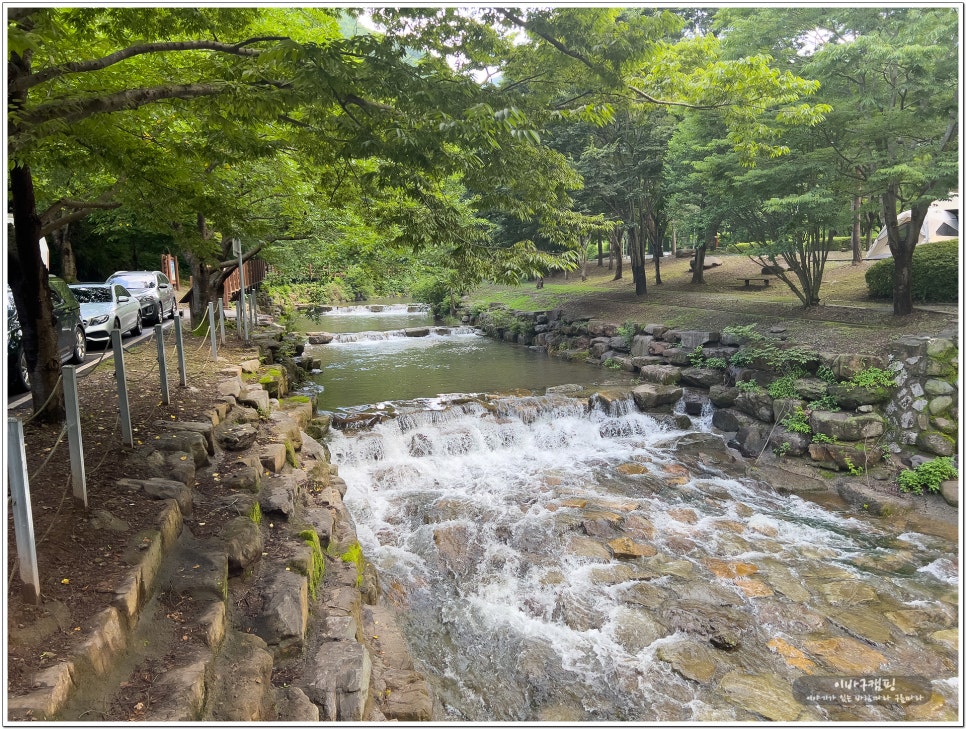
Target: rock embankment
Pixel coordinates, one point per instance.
(853, 413)
(251, 600)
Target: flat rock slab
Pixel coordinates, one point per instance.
(339, 674)
(237, 437)
(198, 570)
(284, 617)
(763, 695)
(186, 441)
(241, 689)
(204, 429)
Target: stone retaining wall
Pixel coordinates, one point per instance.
(875, 430)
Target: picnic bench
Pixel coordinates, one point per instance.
(765, 281)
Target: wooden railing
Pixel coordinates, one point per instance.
(255, 271)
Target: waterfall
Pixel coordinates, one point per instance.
(496, 525)
(412, 333)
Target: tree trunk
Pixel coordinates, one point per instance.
(27, 277)
(856, 231)
(636, 244)
(60, 240)
(600, 250)
(616, 244)
(697, 275)
(902, 247)
(674, 241)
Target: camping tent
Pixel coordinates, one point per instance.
(941, 223)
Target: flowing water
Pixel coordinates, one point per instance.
(372, 360)
(569, 559)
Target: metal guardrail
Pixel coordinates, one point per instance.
(17, 477)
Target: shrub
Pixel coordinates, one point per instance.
(627, 330)
(784, 386)
(826, 375)
(748, 386)
(696, 358)
(797, 422)
(871, 378)
(928, 475)
(825, 402)
(935, 273)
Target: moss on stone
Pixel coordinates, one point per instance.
(256, 513)
(353, 554)
(290, 456)
(317, 569)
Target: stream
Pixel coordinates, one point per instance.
(560, 558)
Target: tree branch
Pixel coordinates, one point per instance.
(73, 110)
(236, 49)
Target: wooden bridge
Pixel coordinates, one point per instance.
(255, 271)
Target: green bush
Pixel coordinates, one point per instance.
(935, 273)
(928, 475)
(797, 422)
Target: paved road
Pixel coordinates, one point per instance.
(95, 353)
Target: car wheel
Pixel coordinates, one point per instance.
(136, 329)
(80, 346)
(20, 373)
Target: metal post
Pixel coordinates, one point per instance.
(127, 434)
(241, 282)
(182, 370)
(74, 439)
(221, 318)
(23, 520)
(212, 331)
(252, 309)
(162, 365)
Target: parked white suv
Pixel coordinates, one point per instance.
(153, 290)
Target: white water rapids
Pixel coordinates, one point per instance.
(489, 524)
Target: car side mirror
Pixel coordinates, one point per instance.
(123, 299)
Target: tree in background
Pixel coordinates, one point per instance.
(891, 78)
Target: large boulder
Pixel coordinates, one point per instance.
(704, 377)
(649, 396)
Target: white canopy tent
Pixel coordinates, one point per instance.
(941, 223)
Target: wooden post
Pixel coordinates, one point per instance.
(23, 520)
(74, 439)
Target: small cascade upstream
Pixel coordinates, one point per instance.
(411, 333)
(554, 561)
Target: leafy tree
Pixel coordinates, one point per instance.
(891, 76)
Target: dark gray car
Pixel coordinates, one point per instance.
(70, 333)
(153, 290)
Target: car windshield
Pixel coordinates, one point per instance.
(135, 282)
(92, 294)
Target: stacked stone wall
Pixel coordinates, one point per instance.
(820, 416)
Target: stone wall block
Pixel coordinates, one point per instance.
(649, 396)
(661, 374)
(936, 442)
(691, 339)
(846, 426)
(757, 404)
(640, 344)
(704, 377)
